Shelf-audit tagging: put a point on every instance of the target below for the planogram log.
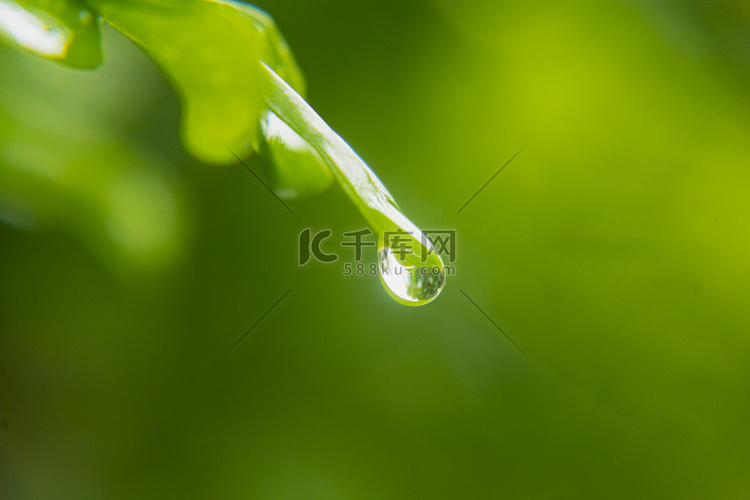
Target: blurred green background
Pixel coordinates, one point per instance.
(614, 250)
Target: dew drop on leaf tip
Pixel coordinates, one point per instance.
(411, 272)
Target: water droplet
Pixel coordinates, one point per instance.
(410, 269)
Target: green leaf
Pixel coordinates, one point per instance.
(212, 52)
(273, 49)
(414, 278)
(211, 56)
(65, 31)
(292, 165)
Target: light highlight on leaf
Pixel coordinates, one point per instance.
(63, 31)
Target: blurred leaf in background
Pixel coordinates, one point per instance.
(613, 250)
(68, 162)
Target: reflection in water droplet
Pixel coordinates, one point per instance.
(411, 272)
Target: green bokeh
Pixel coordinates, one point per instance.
(613, 249)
